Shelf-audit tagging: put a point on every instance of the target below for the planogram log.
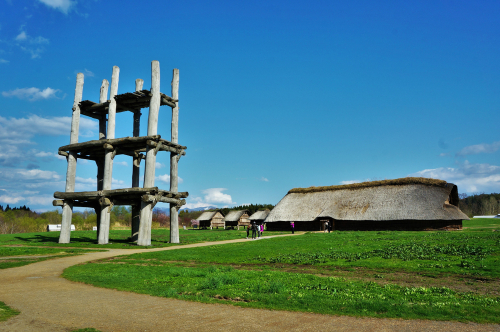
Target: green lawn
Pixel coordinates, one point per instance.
(49, 253)
(120, 238)
(6, 312)
(429, 275)
(482, 223)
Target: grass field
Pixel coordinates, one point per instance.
(30, 255)
(120, 238)
(6, 312)
(429, 275)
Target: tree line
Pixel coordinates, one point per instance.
(479, 204)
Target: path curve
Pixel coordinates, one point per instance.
(49, 302)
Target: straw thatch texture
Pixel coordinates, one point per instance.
(260, 215)
(234, 215)
(391, 200)
(394, 182)
(206, 216)
(211, 219)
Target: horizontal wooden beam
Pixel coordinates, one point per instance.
(105, 193)
(152, 198)
(115, 141)
(168, 148)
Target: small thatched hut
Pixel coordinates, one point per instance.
(259, 216)
(400, 204)
(236, 218)
(211, 219)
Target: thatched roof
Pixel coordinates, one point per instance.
(399, 199)
(259, 215)
(235, 215)
(207, 216)
(394, 182)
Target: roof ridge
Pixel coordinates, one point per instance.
(368, 184)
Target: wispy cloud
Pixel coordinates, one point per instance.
(29, 44)
(16, 136)
(264, 179)
(479, 148)
(350, 181)
(32, 94)
(64, 6)
(166, 178)
(88, 73)
(468, 177)
(3, 61)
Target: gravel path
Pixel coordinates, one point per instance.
(50, 303)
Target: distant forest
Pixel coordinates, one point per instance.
(480, 204)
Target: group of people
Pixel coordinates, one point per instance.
(257, 230)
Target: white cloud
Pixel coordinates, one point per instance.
(40, 200)
(470, 178)
(216, 196)
(36, 125)
(37, 174)
(479, 148)
(444, 154)
(264, 179)
(31, 94)
(32, 45)
(350, 181)
(22, 36)
(7, 199)
(88, 73)
(159, 165)
(121, 163)
(3, 61)
(64, 6)
(16, 135)
(166, 178)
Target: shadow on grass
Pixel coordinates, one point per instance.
(42, 239)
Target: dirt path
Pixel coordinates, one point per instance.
(50, 303)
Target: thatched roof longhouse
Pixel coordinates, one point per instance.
(389, 200)
(206, 216)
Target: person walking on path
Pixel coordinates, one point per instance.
(261, 228)
(254, 231)
(292, 226)
(326, 227)
(248, 231)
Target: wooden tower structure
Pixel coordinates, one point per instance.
(103, 150)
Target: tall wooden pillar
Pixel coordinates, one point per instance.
(108, 158)
(103, 97)
(144, 238)
(136, 209)
(174, 160)
(67, 211)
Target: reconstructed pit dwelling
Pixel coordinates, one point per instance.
(400, 204)
(103, 150)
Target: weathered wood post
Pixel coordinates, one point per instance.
(174, 159)
(103, 97)
(136, 209)
(67, 210)
(144, 238)
(108, 158)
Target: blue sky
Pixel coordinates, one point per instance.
(273, 94)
